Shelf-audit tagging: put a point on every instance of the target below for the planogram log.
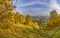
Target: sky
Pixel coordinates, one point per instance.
(37, 7)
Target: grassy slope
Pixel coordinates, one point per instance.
(55, 33)
(23, 31)
(27, 32)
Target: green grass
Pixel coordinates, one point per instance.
(55, 33)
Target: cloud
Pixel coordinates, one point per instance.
(37, 12)
(54, 6)
(48, 4)
(22, 3)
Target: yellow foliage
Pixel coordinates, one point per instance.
(6, 15)
(28, 21)
(19, 18)
(54, 20)
(35, 25)
(8, 18)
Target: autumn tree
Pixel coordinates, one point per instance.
(6, 13)
(18, 18)
(53, 20)
(28, 20)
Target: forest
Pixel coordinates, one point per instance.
(15, 25)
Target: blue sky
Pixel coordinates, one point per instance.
(37, 7)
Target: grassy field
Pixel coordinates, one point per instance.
(31, 33)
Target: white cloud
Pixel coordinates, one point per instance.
(54, 6)
(21, 4)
